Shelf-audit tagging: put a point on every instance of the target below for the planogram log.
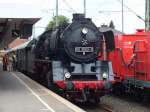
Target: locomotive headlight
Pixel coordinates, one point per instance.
(105, 75)
(84, 30)
(67, 75)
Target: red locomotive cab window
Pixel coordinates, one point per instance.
(139, 46)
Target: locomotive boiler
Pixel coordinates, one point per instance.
(67, 57)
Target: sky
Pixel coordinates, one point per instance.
(101, 11)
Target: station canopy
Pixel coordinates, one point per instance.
(16, 21)
(15, 24)
(12, 28)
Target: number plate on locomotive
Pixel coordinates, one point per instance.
(84, 49)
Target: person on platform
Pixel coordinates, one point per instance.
(10, 62)
(5, 62)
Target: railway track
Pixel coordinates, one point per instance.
(112, 103)
(107, 108)
(98, 108)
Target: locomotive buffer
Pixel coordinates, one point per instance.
(18, 93)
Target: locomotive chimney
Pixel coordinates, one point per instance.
(78, 16)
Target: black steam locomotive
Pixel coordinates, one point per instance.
(67, 58)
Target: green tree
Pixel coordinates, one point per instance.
(61, 20)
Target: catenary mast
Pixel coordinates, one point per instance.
(56, 12)
(147, 15)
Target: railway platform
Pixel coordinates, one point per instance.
(18, 93)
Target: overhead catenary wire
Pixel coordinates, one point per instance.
(69, 6)
(53, 9)
(132, 11)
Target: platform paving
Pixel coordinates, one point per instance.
(18, 93)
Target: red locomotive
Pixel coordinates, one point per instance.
(131, 62)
